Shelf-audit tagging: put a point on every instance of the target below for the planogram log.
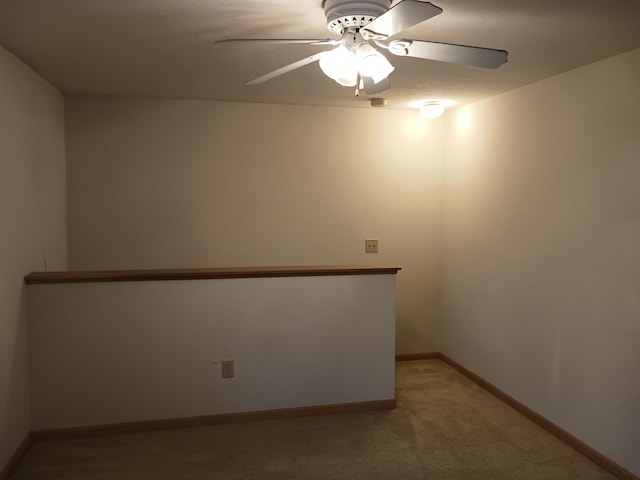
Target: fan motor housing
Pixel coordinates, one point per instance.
(343, 14)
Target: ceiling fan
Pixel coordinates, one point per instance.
(366, 24)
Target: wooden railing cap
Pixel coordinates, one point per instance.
(206, 273)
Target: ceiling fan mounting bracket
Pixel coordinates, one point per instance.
(344, 14)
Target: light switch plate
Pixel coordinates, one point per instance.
(227, 369)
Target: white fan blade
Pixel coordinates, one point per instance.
(287, 68)
(448, 52)
(405, 14)
(308, 41)
(373, 88)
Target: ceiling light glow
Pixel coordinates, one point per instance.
(433, 107)
(432, 110)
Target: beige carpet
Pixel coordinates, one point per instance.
(445, 427)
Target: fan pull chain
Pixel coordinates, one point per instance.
(359, 85)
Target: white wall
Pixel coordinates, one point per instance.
(542, 249)
(541, 239)
(181, 183)
(131, 351)
(32, 224)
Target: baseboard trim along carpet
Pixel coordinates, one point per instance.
(406, 357)
(199, 421)
(15, 458)
(577, 444)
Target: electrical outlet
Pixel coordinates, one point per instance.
(227, 369)
(371, 245)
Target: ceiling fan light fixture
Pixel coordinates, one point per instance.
(348, 78)
(432, 109)
(338, 65)
(372, 63)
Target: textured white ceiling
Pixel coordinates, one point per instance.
(166, 47)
